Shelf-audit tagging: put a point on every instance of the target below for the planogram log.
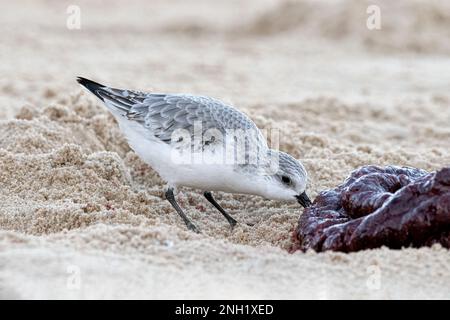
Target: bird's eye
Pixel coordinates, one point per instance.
(286, 180)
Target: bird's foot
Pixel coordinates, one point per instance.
(232, 223)
(192, 227)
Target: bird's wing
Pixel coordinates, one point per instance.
(162, 114)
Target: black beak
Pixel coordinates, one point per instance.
(303, 200)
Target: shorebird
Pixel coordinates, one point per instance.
(202, 143)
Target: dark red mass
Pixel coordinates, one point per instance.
(392, 206)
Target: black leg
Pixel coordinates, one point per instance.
(171, 198)
(209, 197)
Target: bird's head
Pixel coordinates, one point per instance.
(288, 183)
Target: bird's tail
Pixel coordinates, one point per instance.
(115, 99)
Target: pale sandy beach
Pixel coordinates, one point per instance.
(83, 217)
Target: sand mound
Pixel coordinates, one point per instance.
(67, 166)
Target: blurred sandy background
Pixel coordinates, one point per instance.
(83, 217)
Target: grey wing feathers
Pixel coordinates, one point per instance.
(163, 114)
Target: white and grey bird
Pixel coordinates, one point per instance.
(202, 143)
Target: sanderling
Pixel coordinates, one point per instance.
(202, 143)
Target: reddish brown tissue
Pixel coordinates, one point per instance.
(392, 206)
